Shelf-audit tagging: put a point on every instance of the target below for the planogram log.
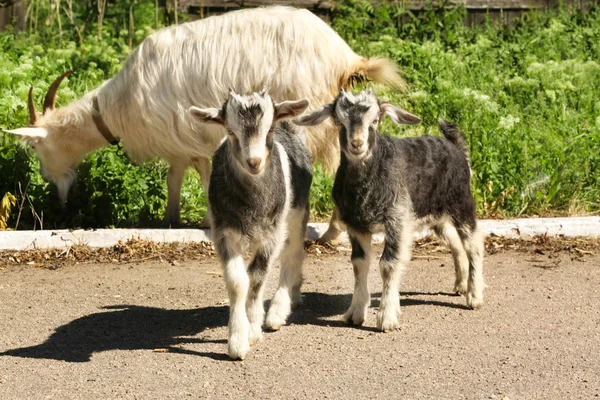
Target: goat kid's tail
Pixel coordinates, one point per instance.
(453, 134)
(381, 70)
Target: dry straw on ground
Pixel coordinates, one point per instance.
(138, 251)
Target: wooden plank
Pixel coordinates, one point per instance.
(12, 12)
(4, 17)
(512, 17)
(18, 15)
(310, 4)
(508, 11)
(409, 4)
(482, 4)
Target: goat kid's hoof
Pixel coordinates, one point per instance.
(274, 322)
(237, 350)
(255, 336)
(460, 288)
(474, 302)
(354, 316)
(387, 323)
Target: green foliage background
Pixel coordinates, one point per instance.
(526, 95)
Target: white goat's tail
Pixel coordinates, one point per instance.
(381, 70)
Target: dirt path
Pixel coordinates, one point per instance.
(157, 330)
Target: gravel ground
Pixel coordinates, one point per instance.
(157, 329)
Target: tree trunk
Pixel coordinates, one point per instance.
(101, 8)
(131, 23)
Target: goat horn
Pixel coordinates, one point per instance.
(51, 95)
(33, 116)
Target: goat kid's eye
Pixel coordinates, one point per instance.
(376, 121)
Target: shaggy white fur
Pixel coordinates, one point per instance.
(291, 51)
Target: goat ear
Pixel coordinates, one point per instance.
(290, 109)
(41, 133)
(210, 115)
(398, 115)
(316, 117)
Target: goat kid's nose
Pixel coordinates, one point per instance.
(254, 163)
(357, 143)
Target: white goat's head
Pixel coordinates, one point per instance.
(57, 165)
(250, 121)
(357, 118)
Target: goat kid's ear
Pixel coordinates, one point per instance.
(40, 133)
(210, 115)
(289, 109)
(316, 117)
(398, 115)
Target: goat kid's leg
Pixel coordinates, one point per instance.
(174, 182)
(448, 233)
(396, 256)
(228, 246)
(473, 241)
(266, 252)
(288, 294)
(361, 262)
(202, 166)
(336, 227)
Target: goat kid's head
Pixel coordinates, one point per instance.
(54, 167)
(250, 121)
(357, 118)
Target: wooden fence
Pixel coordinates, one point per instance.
(12, 12)
(476, 9)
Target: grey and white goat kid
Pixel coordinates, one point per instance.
(260, 184)
(395, 186)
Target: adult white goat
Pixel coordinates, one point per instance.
(291, 51)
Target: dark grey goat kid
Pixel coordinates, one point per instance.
(395, 186)
(258, 198)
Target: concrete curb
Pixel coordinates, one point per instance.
(24, 240)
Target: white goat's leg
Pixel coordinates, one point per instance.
(266, 251)
(336, 227)
(288, 294)
(448, 233)
(228, 246)
(361, 262)
(396, 256)
(202, 166)
(473, 240)
(174, 181)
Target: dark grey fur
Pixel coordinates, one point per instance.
(258, 201)
(429, 175)
(394, 186)
(252, 204)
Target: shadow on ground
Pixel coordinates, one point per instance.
(131, 327)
